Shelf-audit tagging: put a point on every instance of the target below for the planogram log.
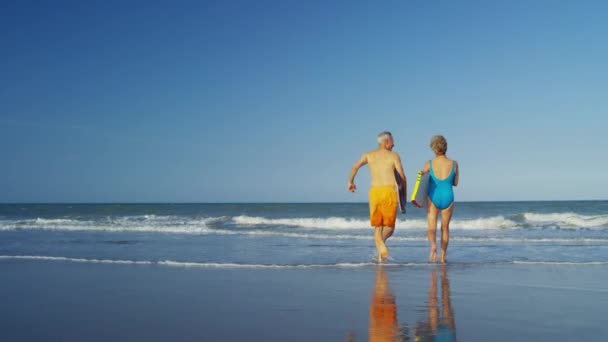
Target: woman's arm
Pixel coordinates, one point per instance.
(457, 171)
(426, 168)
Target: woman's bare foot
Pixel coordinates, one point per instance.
(442, 259)
(433, 255)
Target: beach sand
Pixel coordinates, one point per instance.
(72, 301)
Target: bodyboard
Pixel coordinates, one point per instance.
(421, 190)
(401, 193)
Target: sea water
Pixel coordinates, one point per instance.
(299, 235)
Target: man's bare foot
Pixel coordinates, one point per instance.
(433, 256)
(379, 253)
(382, 259)
(384, 255)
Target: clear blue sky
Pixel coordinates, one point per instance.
(121, 101)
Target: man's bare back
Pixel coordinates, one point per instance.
(382, 167)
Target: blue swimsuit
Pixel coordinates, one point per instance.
(440, 191)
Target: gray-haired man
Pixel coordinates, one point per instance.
(383, 198)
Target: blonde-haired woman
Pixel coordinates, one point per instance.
(444, 175)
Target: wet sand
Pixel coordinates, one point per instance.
(68, 301)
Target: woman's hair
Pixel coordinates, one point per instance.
(439, 145)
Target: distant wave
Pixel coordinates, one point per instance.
(560, 263)
(567, 220)
(495, 222)
(205, 226)
(202, 229)
(143, 223)
(297, 227)
(330, 222)
(526, 220)
(213, 265)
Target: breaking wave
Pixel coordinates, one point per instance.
(339, 223)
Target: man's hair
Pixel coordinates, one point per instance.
(439, 145)
(384, 136)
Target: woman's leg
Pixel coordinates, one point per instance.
(446, 216)
(431, 217)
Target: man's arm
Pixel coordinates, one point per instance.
(353, 172)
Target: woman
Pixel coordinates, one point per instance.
(444, 175)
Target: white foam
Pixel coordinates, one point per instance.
(314, 228)
(330, 222)
(582, 263)
(559, 220)
(52, 258)
(509, 240)
(200, 227)
(485, 223)
(268, 233)
(42, 221)
(368, 237)
(568, 220)
(339, 223)
(214, 265)
(144, 223)
(171, 263)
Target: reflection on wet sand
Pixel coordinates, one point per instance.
(441, 325)
(383, 325)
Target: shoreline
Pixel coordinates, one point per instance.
(339, 265)
(275, 203)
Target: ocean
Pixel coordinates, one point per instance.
(523, 271)
(299, 235)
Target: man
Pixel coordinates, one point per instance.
(383, 198)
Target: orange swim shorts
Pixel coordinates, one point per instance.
(383, 206)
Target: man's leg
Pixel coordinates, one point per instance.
(380, 246)
(389, 218)
(387, 232)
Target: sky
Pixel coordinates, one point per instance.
(273, 101)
